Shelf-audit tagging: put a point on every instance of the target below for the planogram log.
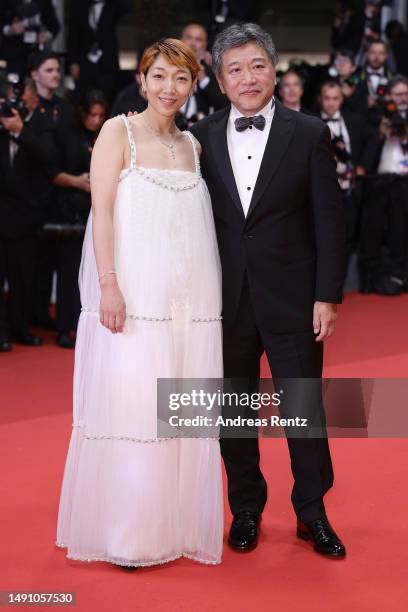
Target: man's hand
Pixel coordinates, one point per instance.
(12, 124)
(44, 37)
(371, 102)
(324, 320)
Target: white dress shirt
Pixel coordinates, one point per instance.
(374, 80)
(246, 150)
(338, 128)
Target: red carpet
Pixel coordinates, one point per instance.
(367, 505)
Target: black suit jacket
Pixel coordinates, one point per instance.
(291, 244)
(82, 37)
(24, 185)
(364, 141)
(14, 47)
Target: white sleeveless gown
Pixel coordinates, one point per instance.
(129, 497)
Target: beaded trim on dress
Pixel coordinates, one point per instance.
(137, 563)
(174, 180)
(142, 318)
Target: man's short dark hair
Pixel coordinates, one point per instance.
(377, 41)
(38, 58)
(329, 83)
(346, 53)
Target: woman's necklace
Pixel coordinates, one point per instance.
(170, 147)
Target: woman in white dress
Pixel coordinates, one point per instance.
(150, 283)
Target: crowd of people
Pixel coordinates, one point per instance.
(47, 133)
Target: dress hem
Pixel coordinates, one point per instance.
(139, 563)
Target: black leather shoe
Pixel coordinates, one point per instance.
(326, 542)
(5, 344)
(244, 531)
(27, 339)
(129, 568)
(65, 341)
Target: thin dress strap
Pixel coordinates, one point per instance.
(196, 157)
(131, 141)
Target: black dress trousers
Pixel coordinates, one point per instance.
(295, 355)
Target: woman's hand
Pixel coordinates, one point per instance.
(82, 182)
(112, 310)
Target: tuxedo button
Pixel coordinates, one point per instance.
(249, 156)
(248, 188)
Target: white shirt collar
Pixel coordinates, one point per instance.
(371, 70)
(267, 111)
(335, 116)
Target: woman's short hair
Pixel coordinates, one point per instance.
(175, 51)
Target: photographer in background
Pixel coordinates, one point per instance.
(71, 208)
(374, 78)
(93, 53)
(291, 90)
(207, 97)
(386, 215)
(345, 71)
(25, 26)
(58, 115)
(25, 151)
(355, 144)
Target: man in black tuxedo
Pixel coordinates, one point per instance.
(93, 53)
(281, 234)
(25, 151)
(207, 97)
(26, 26)
(355, 144)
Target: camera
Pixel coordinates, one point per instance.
(398, 124)
(340, 149)
(11, 91)
(352, 80)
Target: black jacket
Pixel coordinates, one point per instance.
(73, 205)
(291, 244)
(24, 185)
(13, 48)
(82, 37)
(364, 140)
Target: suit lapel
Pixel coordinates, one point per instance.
(282, 128)
(219, 145)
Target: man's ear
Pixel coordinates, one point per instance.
(219, 81)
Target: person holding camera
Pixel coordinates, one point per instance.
(355, 144)
(58, 115)
(25, 151)
(26, 26)
(374, 77)
(386, 217)
(71, 209)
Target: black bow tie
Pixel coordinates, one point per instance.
(243, 123)
(378, 74)
(326, 119)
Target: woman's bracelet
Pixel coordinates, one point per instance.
(106, 274)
